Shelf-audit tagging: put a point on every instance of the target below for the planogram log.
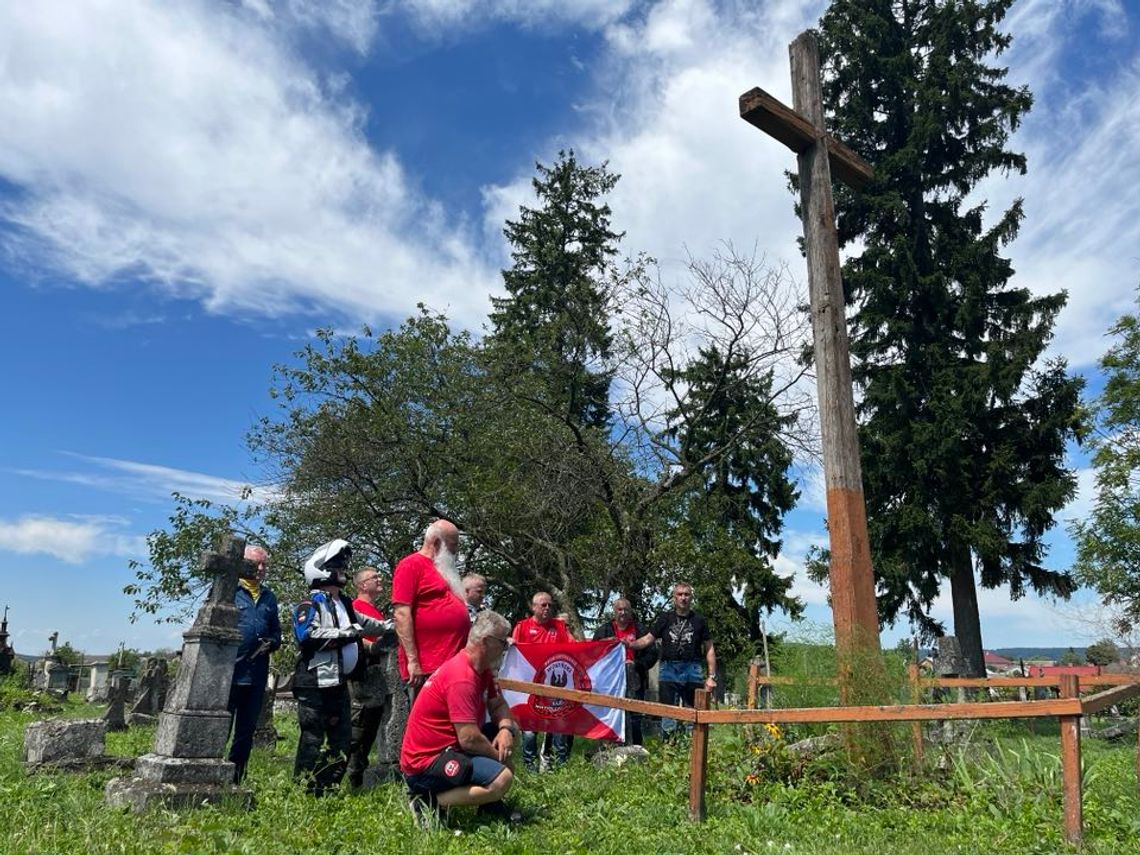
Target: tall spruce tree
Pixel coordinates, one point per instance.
(555, 323)
(732, 517)
(962, 430)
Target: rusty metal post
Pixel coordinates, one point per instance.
(1071, 763)
(698, 759)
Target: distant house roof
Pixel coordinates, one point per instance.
(1056, 670)
(996, 660)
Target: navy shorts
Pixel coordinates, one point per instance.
(453, 769)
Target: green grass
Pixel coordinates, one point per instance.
(1002, 796)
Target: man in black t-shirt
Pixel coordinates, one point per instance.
(685, 642)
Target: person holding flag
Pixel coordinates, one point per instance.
(685, 641)
(624, 627)
(542, 628)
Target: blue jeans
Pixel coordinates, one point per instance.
(677, 681)
(530, 749)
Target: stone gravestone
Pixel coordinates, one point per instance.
(57, 677)
(264, 733)
(151, 697)
(69, 745)
(949, 662)
(115, 716)
(392, 724)
(98, 683)
(187, 766)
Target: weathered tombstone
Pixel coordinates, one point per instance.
(39, 673)
(98, 682)
(57, 677)
(949, 662)
(392, 723)
(115, 716)
(264, 733)
(620, 755)
(187, 766)
(151, 697)
(72, 745)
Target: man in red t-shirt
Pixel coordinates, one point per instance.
(542, 627)
(454, 752)
(429, 606)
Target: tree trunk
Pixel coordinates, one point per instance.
(967, 623)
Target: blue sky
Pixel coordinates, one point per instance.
(188, 190)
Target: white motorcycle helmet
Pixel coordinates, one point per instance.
(328, 564)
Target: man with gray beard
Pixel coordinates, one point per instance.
(428, 605)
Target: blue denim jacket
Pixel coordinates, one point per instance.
(256, 621)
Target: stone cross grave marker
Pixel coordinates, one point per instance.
(187, 767)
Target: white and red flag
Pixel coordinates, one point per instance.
(589, 666)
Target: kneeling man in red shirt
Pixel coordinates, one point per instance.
(460, 734)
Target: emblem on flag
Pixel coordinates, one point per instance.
(588, 666)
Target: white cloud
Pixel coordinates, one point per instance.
(665, 116)
(73, 540)
(790, 562)
(431, 15)
(150, 481)
(693, 173)
(1080, 220)
(187, 145)
(353, 21)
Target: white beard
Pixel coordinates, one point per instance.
(445, 563)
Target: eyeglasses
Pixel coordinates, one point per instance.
(505, 641)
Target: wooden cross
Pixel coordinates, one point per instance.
(820, 156)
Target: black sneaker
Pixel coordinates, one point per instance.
(425, 811)
(501, 810)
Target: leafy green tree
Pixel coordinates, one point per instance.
(962, 428)
(67, 654)
(552, 488)
(169, 585)
(1103, 652)
(1108, 543)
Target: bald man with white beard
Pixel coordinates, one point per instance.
(429, 605)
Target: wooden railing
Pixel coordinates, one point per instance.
(1068, 709)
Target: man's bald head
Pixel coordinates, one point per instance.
(440, 533)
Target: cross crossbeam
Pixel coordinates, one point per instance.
(782, 123)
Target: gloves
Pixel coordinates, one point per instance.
(264, 648)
